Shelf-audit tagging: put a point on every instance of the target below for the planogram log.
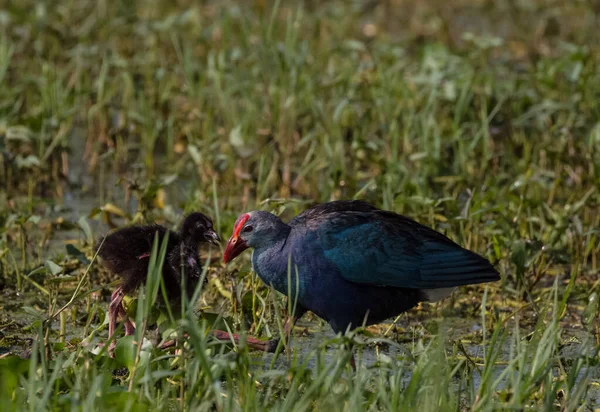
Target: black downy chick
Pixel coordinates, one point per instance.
(126, 253)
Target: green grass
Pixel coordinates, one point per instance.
(480, 120)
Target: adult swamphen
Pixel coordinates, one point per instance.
(126, 253)
(355, 264)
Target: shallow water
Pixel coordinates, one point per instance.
(372, 356)
(17, 334)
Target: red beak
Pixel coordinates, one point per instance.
(235, 246)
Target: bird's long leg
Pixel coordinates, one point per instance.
(352, 360)
(168, 344)
(258, 344)
(262, 345)
(114, 309)
(129, 325)
(291, 322)
(254, 343)
(289, 327)
(116, 305)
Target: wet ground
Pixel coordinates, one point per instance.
(396, 342)
(19, 313)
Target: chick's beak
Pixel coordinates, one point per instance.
(213, 237)
(235, 246)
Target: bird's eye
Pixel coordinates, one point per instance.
(247, 229)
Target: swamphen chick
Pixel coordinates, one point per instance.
(126, 253)
(355, 264)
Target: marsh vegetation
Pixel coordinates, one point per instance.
(479, 119)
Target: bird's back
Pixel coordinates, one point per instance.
(372, 246)
(126, 252)
(321, 212)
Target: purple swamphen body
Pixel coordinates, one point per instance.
(354, 264)
(126, 253)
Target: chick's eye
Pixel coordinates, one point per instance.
(247, 229)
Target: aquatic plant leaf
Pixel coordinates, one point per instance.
(215, 320)
(11, 369)
(125, 351)
(35, 219)
(33, 312)
(591, 310)
(53, 267)
(87, 230)
(77, 254)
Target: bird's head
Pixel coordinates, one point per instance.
(253, 230)
(199, 228)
